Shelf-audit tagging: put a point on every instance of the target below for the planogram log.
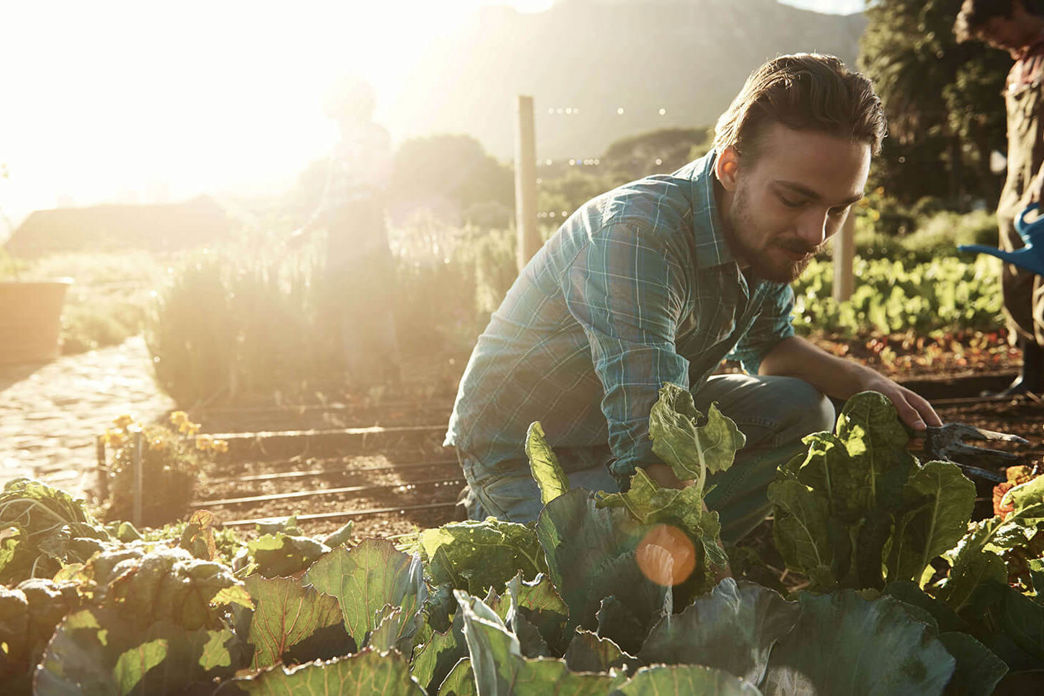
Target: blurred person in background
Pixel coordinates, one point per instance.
(658, 281)
(359, 271)
(1010, 26)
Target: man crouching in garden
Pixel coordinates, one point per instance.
(659, 280)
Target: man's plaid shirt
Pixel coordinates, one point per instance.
(637, 288)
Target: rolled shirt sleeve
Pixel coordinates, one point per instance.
(624, 289)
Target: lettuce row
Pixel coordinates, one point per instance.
(578, 613)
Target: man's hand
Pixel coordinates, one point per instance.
(914, 410)
(841, 378)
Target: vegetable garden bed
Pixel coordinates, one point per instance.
(620, 594)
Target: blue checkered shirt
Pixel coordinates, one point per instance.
(637, 288)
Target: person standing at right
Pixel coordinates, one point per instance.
(1008, 25)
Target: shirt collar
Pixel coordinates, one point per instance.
(1031, 48)
(707, 226)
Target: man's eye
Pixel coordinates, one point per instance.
(791, 203)
(836, 212)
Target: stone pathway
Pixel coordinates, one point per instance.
(50, 414)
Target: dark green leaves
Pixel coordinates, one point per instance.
(45, 524)
(281, 554)
(844, 644)
(859, 502)
(682, 680)
(500, 669)
(733, 629)
(592, 558)
(97, 651)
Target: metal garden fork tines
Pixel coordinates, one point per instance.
(949, 442)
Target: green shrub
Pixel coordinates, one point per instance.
(230, 326)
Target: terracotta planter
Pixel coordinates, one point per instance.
(30, 320)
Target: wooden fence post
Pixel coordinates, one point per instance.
(525, 183)
(139, 493)
(844, 253)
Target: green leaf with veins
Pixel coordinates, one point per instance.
(693, 451)
(544, 465)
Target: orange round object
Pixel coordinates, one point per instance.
(666, 555)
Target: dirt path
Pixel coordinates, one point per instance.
(50, 414)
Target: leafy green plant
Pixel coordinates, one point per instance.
(893, 297)
(859, 510)
(609, 616)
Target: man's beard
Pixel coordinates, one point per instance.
(761, 264)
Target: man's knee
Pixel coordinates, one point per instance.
(814, 410)
(791, 409)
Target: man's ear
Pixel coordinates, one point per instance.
(726, 168)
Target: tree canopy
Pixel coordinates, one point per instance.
(943, 101)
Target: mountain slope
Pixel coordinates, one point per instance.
(688, 57)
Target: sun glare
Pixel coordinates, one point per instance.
(129, 101)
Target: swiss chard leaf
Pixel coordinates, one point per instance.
(366, 578)
(859, 502)
(500, 669)
(733, 629)
(366, 673)
(938, 504)
(544, 465)
(681, 680)
(475, 556)
(98, 651)
(692, 449)
(843, 643)
(288, 614)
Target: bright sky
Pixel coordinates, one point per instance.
(113, 100)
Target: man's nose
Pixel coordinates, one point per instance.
(814, 227)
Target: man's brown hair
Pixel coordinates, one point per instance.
(805, 91)
(975, 14)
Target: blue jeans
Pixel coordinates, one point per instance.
(773, 412)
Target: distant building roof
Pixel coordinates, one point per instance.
(161, 227)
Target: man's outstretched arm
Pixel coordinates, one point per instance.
(840, 378)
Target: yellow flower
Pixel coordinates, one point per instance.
(188, 428)
(178, 417)
(204, 442)
(220, 446)
(113, 438)
(123, 421)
